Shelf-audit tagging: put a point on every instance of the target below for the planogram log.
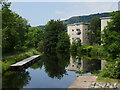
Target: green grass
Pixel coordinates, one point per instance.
(9, 61)
(105, 79)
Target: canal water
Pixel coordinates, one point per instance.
(53, 70)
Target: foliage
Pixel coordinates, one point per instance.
(75, 45)
(112, 69)
(51, 33)
(14, 28)
(111, 35)
(95, 31)
(7, 62)
(105, 79)
(34, 35)
(63, 42)
(98, 50)
(40, 46)
(85, 19)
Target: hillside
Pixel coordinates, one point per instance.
(85, 19)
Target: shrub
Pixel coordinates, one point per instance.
(112, 69)
(73, 47)
(98, 50)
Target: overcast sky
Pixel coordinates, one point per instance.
(39, 13)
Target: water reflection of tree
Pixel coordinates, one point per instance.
(91, 65)
(55, 64)
(15, 79)
(37, 65)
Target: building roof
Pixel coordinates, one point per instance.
(78, 24)
(105, 18)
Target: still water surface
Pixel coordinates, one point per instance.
(53, 70)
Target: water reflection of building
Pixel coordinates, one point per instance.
(73, 66)
(84, 65)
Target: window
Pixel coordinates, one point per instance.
(77, 29)
(77, 39)
(78, 33)
(77, 24)
(72, 29)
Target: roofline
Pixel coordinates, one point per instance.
(78, 23)
(105, 18)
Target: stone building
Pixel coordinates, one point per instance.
(119, 6)
(104, 21)
(78, 31)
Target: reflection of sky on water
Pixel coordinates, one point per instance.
(40, 79)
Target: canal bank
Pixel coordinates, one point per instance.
(91, 82)
(11, 60)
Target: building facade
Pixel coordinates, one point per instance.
(78, 31)
(119, 6)
(104, 21)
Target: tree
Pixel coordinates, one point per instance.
(73, 46)
(14, 28)
(51, 32)
(94, 31)
(111, 36)
(34, 35)
(63, 42)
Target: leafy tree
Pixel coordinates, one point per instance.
(34, 35)
(14, 28)
(63, 42)
(40, 46)
(95, 31)
(51, 32)
(111, 36)
(73, 46)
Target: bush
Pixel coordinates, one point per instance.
(98, 50)
(112, 69)
(73, 47)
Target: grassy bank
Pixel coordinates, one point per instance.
(105, 79)
(7, 62)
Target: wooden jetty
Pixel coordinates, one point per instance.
(25, 63)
